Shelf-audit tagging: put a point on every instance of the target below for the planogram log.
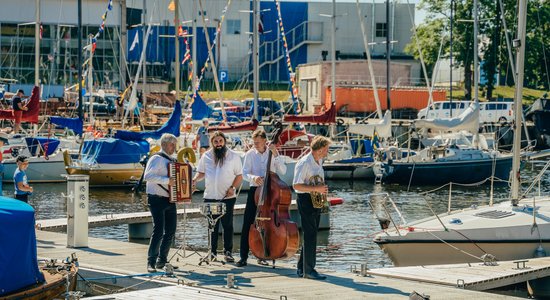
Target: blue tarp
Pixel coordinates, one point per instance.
(199, 109)
(75, 124)
(18, 259)
(113, 151)
(48, 145)
(172, 126)
(241, 116)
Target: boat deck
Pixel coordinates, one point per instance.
(106, 259)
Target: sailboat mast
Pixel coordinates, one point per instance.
(37, 45)
(333, 53)
(519, 43)
(177, 50)
(255, 55)
(388, 55)
(144, 16)
(79, 47)
(476, 59)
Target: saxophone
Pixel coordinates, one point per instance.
(319, 200)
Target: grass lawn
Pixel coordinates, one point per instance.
(243, 94)
(529, 95)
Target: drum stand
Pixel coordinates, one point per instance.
(184, 245)
(210, 257)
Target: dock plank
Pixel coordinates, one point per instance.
(124, 258)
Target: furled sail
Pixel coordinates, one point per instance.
(468, 120)
(381, 127)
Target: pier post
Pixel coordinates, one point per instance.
(77, 210)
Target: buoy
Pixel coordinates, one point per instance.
(335, 201)
(187, 153)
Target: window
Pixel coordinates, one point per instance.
(381, 29)
(233, 26)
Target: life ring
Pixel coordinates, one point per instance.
(187, 153)
(154, 149)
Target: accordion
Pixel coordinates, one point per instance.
(181, 191)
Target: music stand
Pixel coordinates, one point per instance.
(184, 245)
(211, 219)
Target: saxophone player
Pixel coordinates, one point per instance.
(307, 168)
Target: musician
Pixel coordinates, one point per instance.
(221, 168)
(308, 167)
(164, 212)
(254, 169)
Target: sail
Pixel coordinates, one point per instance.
(172, 126)
(468, 120)
(328, 116)
(199, 109)
(381, 127)
(30, 115)
(75, 124)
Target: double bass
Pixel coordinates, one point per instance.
(273, 235)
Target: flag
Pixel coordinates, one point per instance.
(135, 42)
(172, 6)
(186, 57)
(182, 32)
(375, 140)
(41, 31)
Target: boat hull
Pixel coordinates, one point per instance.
(54, 286)
(40, 170)
(105, 176)
(438, 173)
(349, 171)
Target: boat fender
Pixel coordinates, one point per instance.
(187, 153)
(336, 201)
(154, 149)
(540, 252)
(67, 158)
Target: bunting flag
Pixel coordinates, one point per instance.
(261, 24)
(213, 46)
(293, 87)
(41, 31)
(182, 32)
(187, 54)
(102, 25)
(172, 6)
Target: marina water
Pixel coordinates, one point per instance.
(353, 224)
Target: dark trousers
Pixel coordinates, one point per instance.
(227, 223)
(310, 225)
(248, 220)
(24, 197)
(165, 217)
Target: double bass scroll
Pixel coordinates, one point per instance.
(182, 190)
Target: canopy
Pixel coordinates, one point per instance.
(113, 151)
(172, 126)
(75, 124)
(381, 127)
(328, 116)
(468, 120)
(30, 115)
(18, 258)
(48, 145)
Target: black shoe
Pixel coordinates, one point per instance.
(151, 268)
(241, 263)
(160, 265)
(300, 273)
(228, 257)
(315, 276)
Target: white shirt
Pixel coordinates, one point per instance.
(255, 165)
(306, 168)
(218, 179)
(156, 172)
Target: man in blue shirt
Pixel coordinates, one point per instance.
(202, 137)
(22, 187)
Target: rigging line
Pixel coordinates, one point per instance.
(543, 48)
(456, 248)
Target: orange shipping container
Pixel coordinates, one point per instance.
(362, 100)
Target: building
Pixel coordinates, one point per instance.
(308, 36)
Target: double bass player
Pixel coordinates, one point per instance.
(254, 169)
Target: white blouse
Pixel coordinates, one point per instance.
(218, 179)
(305, 169)
(255, 165)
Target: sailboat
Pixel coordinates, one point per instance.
(518, 229)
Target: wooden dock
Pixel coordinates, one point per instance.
(473, 276)
(105, 260)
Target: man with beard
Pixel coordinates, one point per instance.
(254, 170)
(221, 168)
(307, 168)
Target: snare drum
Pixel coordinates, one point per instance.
(214, 208)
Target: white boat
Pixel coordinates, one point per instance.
(511, 230)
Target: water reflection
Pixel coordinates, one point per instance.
(353, 224)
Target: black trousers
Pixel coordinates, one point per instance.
(24, 197)
(227, 223)
(310, 217)
(248, 220)
(165, 219)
